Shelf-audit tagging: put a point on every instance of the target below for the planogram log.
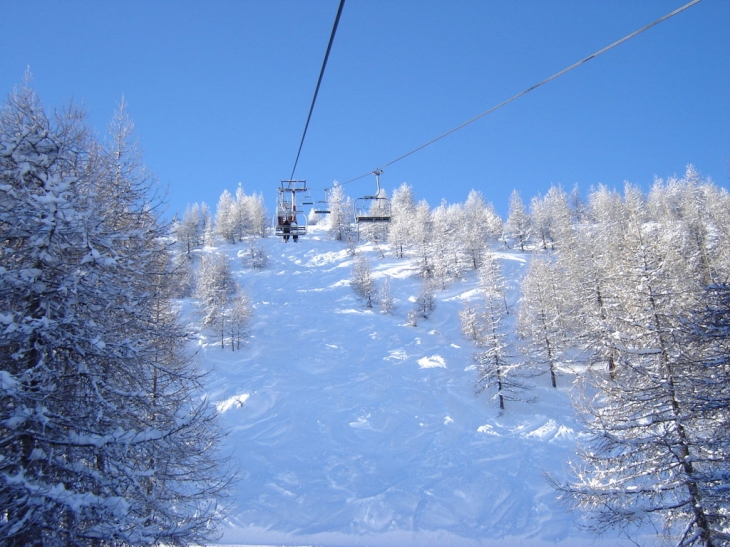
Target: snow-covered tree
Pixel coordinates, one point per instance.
(541, 317)
(239, 315)
(481, 225)
(422, 237)
(362, 281)
(550, 218)
(255, 257)
(215, 288)
(425, 301)
(254, 214)
(226, 218)
(654, 449)
(400, 235)
(518, 227)
(340, 216)
(446, 249)
(187, 229)
(102, 441)
(499, 372)
(385, 296)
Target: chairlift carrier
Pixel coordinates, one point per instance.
(375, 208)
(322, 206)
(286, 209)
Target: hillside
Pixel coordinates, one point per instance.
(349, 427)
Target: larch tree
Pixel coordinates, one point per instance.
(362, 281)
(648, 429)
(541, 317)
(447, 253)
(102, 440)
(481, 225)
(239, 316)
(385, 296)
(215, 288)
(499, 371)
(400, 234)
(518, 227)
(706, 396)
(340, 213)
(226, 218)
(422, 235)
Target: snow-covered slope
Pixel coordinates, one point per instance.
(349, 427)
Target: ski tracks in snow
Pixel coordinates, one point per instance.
(347, 421)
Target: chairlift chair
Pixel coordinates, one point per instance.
(375, 208)
(289, 220)
(323, 205)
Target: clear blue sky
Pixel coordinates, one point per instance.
(219, 90)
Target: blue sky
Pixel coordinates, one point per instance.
(219, 90)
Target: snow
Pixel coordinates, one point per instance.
(349, 427)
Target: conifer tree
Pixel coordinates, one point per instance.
(499, 372)
(540, 318)
(401, 232)
(653, 451)
(99, 423)
(362, 281)
(518, 228)
(480, 226)
(340, 215)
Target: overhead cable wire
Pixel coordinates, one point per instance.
(319, 82)
(526, 91)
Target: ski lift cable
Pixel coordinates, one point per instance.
(526, 91)
(319, 82)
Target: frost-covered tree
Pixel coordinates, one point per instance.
(226, 218)
(254, 214)
(340, 216)
(446, 249)
(362, 281)
(215, 288)
(518, 227)
(385, 296)
(400, 235)
(499, 372)
(425, 302)
(239, 313)
(189, 229)
(422, 237)
(653, 449)
(102, 440)
(551, 218)
(541, 317)
(481, 225)
(255, 257)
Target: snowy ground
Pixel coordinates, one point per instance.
(350, 428)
